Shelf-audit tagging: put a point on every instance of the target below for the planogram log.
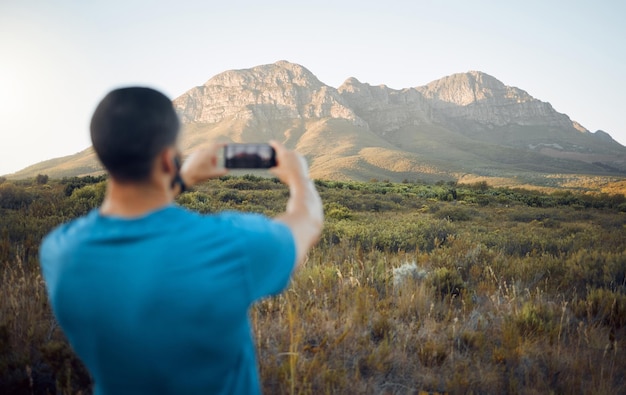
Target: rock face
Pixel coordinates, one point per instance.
(479, 97)
(287, 91)
(458, 118)
(386, 110)
(468, 123)
(272, 92)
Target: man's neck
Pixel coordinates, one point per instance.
(134, 200)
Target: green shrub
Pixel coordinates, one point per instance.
(603, 306)
(456, 213)
(342, 327)
(41, 179)
(447, 281)
(197, 201)
(14, 197)
(390, 233)
(87, 197)
(336, 211)
(535, 319)
(596, 269)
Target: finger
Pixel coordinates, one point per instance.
(278, 147)
(215, 148)
(219, 145)
(219, 172)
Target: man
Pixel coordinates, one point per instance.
(154, 298)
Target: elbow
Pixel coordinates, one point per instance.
(318, 227)
(315, 228)
(318, 223)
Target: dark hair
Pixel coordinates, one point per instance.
(129, 128)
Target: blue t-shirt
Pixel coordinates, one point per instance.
(159, 304)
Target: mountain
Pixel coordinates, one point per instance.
(467, 124)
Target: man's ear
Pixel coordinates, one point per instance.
(169, 161)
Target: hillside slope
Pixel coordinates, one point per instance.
(463, 124)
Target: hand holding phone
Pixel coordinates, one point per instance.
(203, 164)
(249, 156)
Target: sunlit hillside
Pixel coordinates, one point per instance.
(463, 126)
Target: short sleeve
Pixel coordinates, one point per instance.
(271, 254)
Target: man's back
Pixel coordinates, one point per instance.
(158, 304)
(154, 298)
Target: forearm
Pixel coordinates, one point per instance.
(200, 166)
(304, 198)
(304, 215)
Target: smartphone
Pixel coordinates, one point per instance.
(249, 156)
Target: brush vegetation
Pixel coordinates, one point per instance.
(413, 288)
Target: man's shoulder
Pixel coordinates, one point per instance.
(64, 238)
(77, 225)
(173, 219)
(253, 222)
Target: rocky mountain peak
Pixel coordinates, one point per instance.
(280, 73)
(478, 97)
(281, 90)
(470, 88)
(350, 85)
(468, 123)
(604, 136)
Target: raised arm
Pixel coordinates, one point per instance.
(304, 214)
(202, 165)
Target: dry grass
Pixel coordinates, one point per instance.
(344, 328)
(412, 289)
(35, 357)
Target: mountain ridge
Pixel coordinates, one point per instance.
(465, 123)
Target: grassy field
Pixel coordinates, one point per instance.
(413, 288)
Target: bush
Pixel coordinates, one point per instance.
(14, 197)
(41, 179)
(336, 211)
(595, 269)
(375, 310)
(603, 306)
(535, 320)
(88, 197)
(197, 201)
(456, 213)
(390, 233)
(447, 281)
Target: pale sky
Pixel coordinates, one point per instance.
(59, 58)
